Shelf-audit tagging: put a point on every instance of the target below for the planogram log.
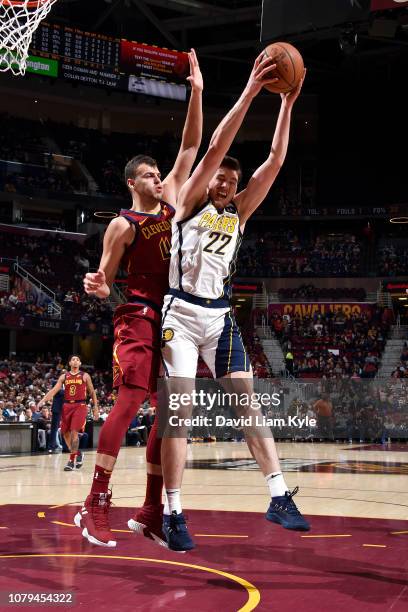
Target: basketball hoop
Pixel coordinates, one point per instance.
(18, 21)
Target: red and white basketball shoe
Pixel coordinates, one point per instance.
(93, 519)
(148, 522)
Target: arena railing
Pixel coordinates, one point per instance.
(32, 280)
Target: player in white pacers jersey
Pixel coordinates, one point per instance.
(197, 317)
(197, 312)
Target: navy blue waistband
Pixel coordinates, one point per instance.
(199, 301)
(152, 305)
(67, 401)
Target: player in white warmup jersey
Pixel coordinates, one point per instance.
(197, 316)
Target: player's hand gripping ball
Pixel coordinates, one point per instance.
(289, 67)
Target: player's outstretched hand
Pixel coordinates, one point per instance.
(261, 74)
(196, 78)
(293, 95)
(95, 284)
(95, 414)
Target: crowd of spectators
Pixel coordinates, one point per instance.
(24, 300)
(58, 263)
(310, 293)
(287, 254)
(401, 370)
(21, 140)
(332, 345)
(53, 259)
(25, 142)
(23, 384)
(32, 144)
(105, 156)
(347, 408)
(31, 180)
(392, 260)
(79, 306)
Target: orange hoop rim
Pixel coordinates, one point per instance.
(31, 4)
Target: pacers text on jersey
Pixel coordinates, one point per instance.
(221, 223)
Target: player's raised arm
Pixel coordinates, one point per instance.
(192, 133)
(249, 199)
(118, 236)
(50, 394)
(193, 192)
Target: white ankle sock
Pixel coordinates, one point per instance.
(276, 483)
(173, 501)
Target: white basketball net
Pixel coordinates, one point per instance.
(18, 21)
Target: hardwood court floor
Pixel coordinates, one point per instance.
(354, 558)
(334, 479)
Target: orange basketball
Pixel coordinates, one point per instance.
(289, 67)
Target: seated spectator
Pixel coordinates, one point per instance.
(137, 431)
(9, 413)
(43, 428)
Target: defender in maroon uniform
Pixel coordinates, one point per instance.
(76, 385)
(139, 239)
(146, 261)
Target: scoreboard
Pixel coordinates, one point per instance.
(100, 60)
(71, 44)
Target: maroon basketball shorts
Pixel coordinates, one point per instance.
(73, 417)
(136, 347)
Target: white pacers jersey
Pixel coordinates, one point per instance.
(204, 250)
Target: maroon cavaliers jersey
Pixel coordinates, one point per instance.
(75, 387)
(147, 259)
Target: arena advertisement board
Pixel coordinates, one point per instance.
(381, 5)
(160, 89)
(395, 286)
(309, 309)
(35, 65)
(42, 65)
(140, 59)
(15, 320)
